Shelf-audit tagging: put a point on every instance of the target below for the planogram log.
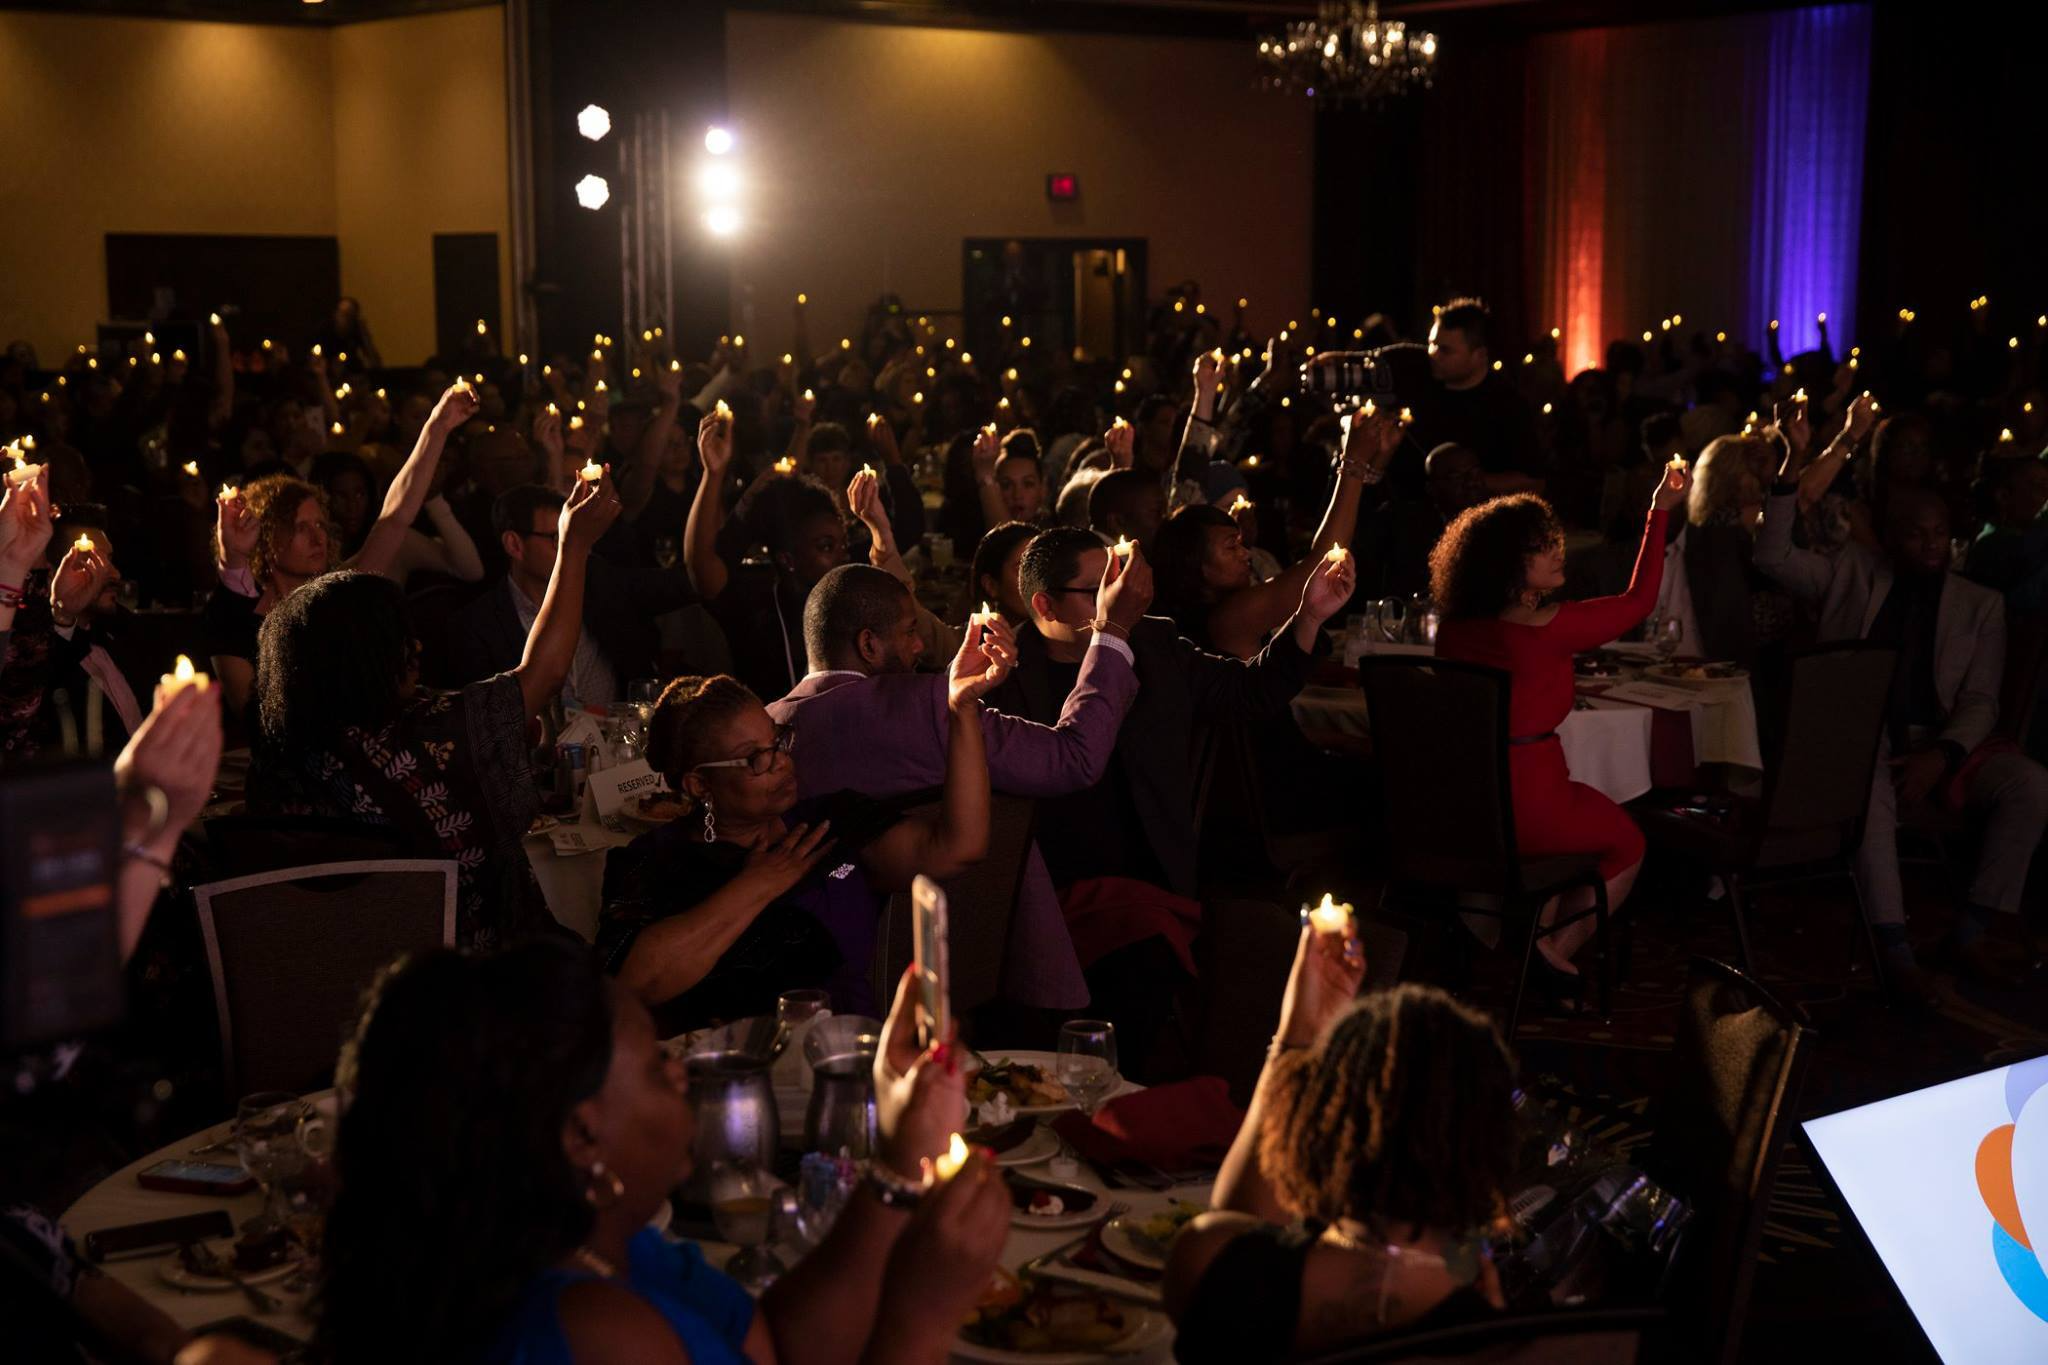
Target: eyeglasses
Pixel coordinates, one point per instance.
(760, 760)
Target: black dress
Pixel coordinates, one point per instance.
(818, 934)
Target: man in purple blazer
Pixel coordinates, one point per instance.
(865, 721)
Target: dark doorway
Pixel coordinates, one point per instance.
(1061, 291)
(465, 289)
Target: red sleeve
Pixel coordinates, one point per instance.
(1594, 622)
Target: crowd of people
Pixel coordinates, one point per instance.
(880, 583)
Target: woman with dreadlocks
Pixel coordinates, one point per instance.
(1373, 1159)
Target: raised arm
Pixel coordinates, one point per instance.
(1226, 688)
(638, 484)
(1242, 621)
(1801, 572)
(558, 625)
(986, 455)
(958, 837)
(1815, 480)
(1588, 624)
(408, 491)
(707, 508)
(453, 553)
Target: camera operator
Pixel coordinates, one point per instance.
(1470, 404)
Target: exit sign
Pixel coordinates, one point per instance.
(1063, 185)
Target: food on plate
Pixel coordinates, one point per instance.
(1708, 672)
(1036, 1200)
(659, 806)
(1002, 1137)
(1161, 1228)
(1028, 1086)
(1045, 1317)
(260, 1247)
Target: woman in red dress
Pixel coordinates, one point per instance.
(1490, 573)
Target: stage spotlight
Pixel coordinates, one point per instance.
(593, 122)
(719, 180)
(718, 141)
(592, 192)
(723, 220)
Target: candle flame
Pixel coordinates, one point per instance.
(1241, 504)
(591, 472)
(192, 468)
(948, 1166)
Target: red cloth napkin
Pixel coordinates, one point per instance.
(1175, 1126)
(1107, 913)
(1672, 763)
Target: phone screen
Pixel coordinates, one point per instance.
(929, 950)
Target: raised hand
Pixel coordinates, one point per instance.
(920, 1094)
(864, 496)
(1328, 970)
(458, 404)
(882, 435)
(987, 453)
(80, 578)
(1126, 589)
(714, 444)
(1789, 415)
(1122, 441)
(942, 1263)
(177, 750)
(238, 529)
(668, 382)
(805, 407)
(988, 651)
(24, 529)
(1861, 417)
(1677, 482)
(1328, 588)
(1208, 370)
(588, 512)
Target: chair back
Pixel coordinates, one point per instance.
(980, 904)
(243, 845)
(1834, 716)
(1730, 1093)
(1440, 732)
(291, 951)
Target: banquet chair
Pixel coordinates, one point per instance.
(242, 845)
(980, 904)
(1731, 1092)
(1440, 729)
(290, 952)
(1576, 1336)
(1807, 824)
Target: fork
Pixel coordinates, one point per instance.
(215, 1264)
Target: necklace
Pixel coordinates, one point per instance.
(590, 1260)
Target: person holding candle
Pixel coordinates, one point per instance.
(591, 1121)
(343, 729)
(276, 537)
(349, 484)
(1491, 573)
(756, 890)
(993, 571)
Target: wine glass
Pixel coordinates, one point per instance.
(743, 1209)
(1670, 630)
(266, 1139)
(1086, 1064)
(1393, 617)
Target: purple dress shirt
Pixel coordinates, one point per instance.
(886, 736)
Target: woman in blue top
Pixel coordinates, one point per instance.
(513, 1124)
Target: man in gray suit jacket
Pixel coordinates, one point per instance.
(864, 721)
(1950, 634)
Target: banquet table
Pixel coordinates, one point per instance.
(118, 1200)
(572, 883)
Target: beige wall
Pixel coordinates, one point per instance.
(143, 125)
(150, 125)
(419, 124)
(872, 150)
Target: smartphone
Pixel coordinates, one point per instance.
(196, 1177)
(929, 954)
(140, 1239)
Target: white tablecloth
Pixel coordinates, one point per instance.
(573, 883)
(1607, 747)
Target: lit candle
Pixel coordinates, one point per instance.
(591, 472)
(1370, 407)
(723, 410)
(183, 675)
(178, 355)
(809, 397)
(316, 347)
(947, 1166)
(987, 616)
(1123, 547)
(918, 398)
(268, 343)
(1003, 405)
(1774, 324)
(874, 420)
(1118, 424)
(576, 422)
(84, 542)
(23, 471)
(738, 340)
(192, 468)
(846, 343)
(1556, 333)
(785, 465)
(1251, 462)
(1407, 417)
(334, 429)
(803, 298)
(1821, 318)
(480, 329)
(1676, 465)
(1025, 342)
(213, 319)
(966, 358)
(1331, 916)
(789, 359)
(868, 470)
(1546, 409)
(600, 387)
(989, 430)
(1799, 395)
(1241, 504)
(2004, 438)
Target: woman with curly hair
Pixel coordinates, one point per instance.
(1372, 1163)
(277, 534)
(511, 1125)
(1491, 572)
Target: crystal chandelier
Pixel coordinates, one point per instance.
(1347, 54)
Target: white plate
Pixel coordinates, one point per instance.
(1121, 1239)
(172, 1272)
(1049, 1061)
(1072, 1218)
(1671, 673)
(1042, 1145)
(1150, 1329)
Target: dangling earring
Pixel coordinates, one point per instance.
(614, 1187)
(710, 823)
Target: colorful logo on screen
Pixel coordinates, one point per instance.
(2012, 1175)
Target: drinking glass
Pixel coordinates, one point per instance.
(1393, 616)
(743, 1209)
(1086, 1065)
(643, 691)
(266, 1139)
(1670, 630)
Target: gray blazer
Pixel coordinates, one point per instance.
(1848, 590)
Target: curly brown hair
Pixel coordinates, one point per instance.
(275, 500)
(690, 712)
(1481, 561)
(1403, 1114)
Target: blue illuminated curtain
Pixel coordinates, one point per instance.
(1811, 85)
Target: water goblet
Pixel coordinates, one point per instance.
(265, 1138)
(743, 1203)
(1086, 1062)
